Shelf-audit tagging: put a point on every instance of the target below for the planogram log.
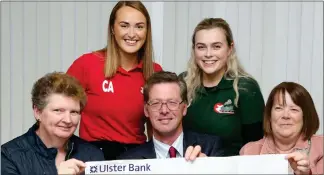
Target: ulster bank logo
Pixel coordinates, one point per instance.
(115, 168)
(93, 169)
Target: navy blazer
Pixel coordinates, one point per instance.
(211, 145)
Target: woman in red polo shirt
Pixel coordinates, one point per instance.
(113, 77)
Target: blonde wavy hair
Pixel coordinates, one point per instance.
(234, 70)
(112, 57)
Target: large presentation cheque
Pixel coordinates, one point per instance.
(259, 164)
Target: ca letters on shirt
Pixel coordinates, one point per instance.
(107, 86)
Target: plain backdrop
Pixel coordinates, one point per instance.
(276, 41)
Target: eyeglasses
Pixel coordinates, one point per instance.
(157, 105)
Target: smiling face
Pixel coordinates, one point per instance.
(164, 120)
(211, 50)
(130, 29)
(286, 119)
(60, 117)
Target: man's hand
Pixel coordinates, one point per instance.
(193, 152)
(299, 162)
(71, 167)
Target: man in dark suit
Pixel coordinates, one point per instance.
(165, 96)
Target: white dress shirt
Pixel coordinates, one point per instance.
(162, 149)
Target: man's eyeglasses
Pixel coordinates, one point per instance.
(157, 105)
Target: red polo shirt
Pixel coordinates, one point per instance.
(115, 107)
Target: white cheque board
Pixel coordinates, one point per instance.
(254, 164)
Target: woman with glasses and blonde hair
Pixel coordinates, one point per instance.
(224, 99)
(290, 125)
(114, 77)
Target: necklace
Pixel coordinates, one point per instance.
(305, 150)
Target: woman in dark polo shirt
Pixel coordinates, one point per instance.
(225, 100)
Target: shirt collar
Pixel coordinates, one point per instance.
(162, 149)
(103, 55)
(138, 67)
(223, 84)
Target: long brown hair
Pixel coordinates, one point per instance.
(111, 51)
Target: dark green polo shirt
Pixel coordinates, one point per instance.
(213, 112)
